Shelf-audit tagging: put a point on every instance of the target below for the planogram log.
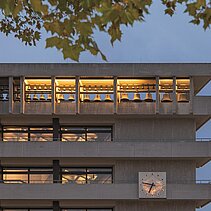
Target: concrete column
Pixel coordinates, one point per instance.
(191, 94)
(56, 171)
(56, 129)
(1, 173)
(77, 94)
(22, 95)
(1, 132)
(115, 95)
(174, 96)
(53, 95)
(157, 96)
(11, 101)
(56, 206)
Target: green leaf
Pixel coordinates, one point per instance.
(53, 42)
(72, 52)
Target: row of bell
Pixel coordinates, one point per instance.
(42, 97)
(182, 97)
(97, 98)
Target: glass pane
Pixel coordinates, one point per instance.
(41, 136)
(74, 175)
(41, 178)
(73, 137)
(15, 176)
(15, 209)
(42, 128)
(12, 136)
(99, 176)
(98, 136)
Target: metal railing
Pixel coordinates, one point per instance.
(12, 139)
(91, 182)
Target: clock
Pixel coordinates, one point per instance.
(152, 184)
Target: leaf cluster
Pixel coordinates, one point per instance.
(71, 24)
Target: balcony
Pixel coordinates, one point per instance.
(200, 193)
(117, 149)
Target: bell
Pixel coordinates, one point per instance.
(49, 97)
(148, 97)
(97, 98)
(108, 98)
(42, 97)
(166, 98)
(35, 98)
(28, 97)
(183, 98)
(86, 98)
(71, 97)
(137, 97)
(61, 97)
(124, 97)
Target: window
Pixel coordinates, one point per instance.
(86, 133)
(27, 175)
(37, 90)
(13, 133)
(84, 175)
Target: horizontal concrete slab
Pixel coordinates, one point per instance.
(199, 151)
(111, 69)
(98, 191)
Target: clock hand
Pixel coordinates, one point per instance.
(153, 184)
(146, 183)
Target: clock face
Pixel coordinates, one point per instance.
(152, 184)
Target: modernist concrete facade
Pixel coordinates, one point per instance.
(75, 136)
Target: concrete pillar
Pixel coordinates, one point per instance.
(11, 101)
(191, 94)
(157, 96)
(174, 96)
(77, 94)
(56, 206)
(56, 129)
(56, 171)
(1, 132)
(53, 95)
(115, 95)
(1, 173)
(22, 95)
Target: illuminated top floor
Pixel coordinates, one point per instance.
(104, 88)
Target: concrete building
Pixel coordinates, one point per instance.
(103, 137)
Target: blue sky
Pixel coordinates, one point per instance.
(159, 39)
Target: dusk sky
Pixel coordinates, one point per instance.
(159, 39)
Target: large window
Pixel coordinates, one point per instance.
(27, 175)
(13, 133)
(86, 133)
(87, 175)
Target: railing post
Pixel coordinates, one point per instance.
(56, 171)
